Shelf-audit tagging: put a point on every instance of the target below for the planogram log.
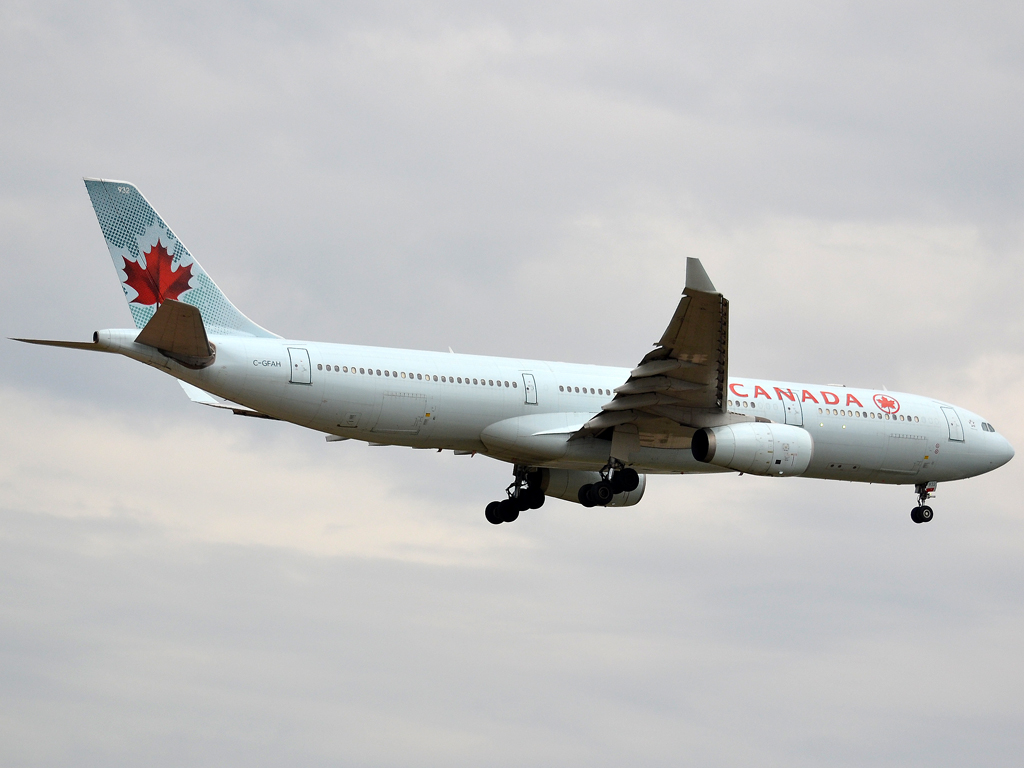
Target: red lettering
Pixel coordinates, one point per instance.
(758, 392)
(787, 392)
(851, 399)
(807, 396)
(736, 391)
(826, 395)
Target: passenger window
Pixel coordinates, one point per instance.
(403, 374)
(387, 373)
(514, 385)
(819, 410)
(419, 375)
(561, 388)
(577, 390)
(474, 381)
(319, 367)
(491, 382)
(344, 369)
(435, 378)
(443, 379)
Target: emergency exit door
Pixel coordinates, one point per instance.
(301, 369)
(956, 429)
(794, 412)
(530, 387)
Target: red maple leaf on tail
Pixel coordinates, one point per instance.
(156, 283)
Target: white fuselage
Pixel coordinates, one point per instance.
(524, 411)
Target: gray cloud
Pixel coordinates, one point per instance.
(523, 181)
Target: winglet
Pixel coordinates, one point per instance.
(696, 278)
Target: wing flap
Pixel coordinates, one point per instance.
(680, 385)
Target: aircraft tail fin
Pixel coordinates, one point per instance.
(153, 264)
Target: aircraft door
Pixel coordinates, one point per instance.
(301, 369)
(794, 412)
(530, 385)
(956, 429)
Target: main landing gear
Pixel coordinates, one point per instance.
(524, 493)
(922, 513)
(615, 478)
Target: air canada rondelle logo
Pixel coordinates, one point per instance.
(887, 404)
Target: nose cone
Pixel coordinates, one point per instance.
(1003, 452)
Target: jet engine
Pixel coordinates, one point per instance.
(757, 448)
(566, 484)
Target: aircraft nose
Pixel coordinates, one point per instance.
(1004, 452)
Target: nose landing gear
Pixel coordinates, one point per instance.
(524, 493)
(922, 513)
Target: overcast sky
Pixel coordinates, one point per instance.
(182, 586)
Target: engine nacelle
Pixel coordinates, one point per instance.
(756, 448)
(566, 484)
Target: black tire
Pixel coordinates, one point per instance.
(536, 497)
(601, 493)
(522, 501)
(926, 514)
(509, 510)
(915, 515)
(494, 514)
(627, 480)
(584, 495)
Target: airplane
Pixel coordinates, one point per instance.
(584, 433)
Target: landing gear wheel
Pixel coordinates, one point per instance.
(922, 513)
(493, 513)
(600, 494)
(584, 495)
(522, 501)
(625, 480)
(535, 497)
(509, 510)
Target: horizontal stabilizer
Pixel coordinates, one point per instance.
(177, 330)
(90, 345)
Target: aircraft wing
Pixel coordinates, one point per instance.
(680, 385)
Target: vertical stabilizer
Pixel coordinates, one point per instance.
(154, 265)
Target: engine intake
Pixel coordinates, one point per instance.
(776, 450)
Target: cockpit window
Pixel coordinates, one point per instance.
(987, 427)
